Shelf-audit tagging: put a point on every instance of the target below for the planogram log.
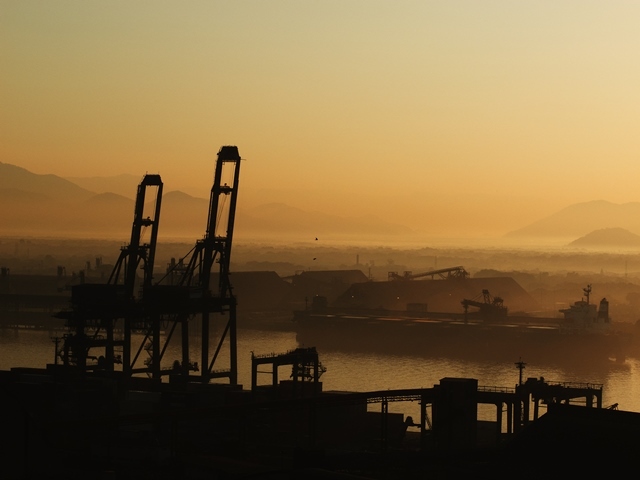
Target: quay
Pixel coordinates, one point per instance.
(65, 421)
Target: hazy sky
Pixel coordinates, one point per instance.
(432, 113)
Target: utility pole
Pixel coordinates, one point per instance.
(520, 365)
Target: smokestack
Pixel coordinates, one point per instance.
(603, 311)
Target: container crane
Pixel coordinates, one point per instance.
(95, 308)
(197, 290)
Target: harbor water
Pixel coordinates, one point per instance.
(351, 371)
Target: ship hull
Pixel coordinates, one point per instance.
(475, 339)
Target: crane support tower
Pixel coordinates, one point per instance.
(206, 292)
(95, 308)
(147, 309)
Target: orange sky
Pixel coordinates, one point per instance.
(442, 115)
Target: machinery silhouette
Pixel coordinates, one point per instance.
(443, 273)
(490, 308)
(104, 320)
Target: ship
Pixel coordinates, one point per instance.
(583, 334)
(584, 317)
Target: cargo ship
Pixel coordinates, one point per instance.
(583, 334)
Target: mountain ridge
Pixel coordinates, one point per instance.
(579, 219)
(608, 237)
(52, 205)
(58, 188)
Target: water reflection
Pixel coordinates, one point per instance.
(363, 371)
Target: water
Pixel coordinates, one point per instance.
(365, 372)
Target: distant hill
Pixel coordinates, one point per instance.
(18, 179)
(34, 204)
(184, 200)
(50, 205)
(109, 200)
(608, 237)
(183, 215)
(582, 218)
(124, 184)
(9, 196)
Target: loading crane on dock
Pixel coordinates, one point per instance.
(490, 308)
(195, 288)
(96, 308)
(443, 273)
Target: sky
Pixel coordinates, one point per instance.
(472, 117)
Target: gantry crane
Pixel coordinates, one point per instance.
(200, 291)
(95, 308)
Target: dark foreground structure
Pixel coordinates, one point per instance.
(59, 422)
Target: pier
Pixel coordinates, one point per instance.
(123, 421)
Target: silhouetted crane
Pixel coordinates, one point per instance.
(490, 308)
(197, 290)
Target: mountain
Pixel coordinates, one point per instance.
(49, 205)
(582, 218)
(17, 178)
(109, 200)
(608, 237)
(183, 200)
(123, 184)
(35, 204)
(182, 215)
(9, 196)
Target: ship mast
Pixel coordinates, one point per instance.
(587, 292)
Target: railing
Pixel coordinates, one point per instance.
(577, 385)
(496, 389)
(295, 351)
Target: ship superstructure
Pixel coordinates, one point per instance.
(584, 316)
